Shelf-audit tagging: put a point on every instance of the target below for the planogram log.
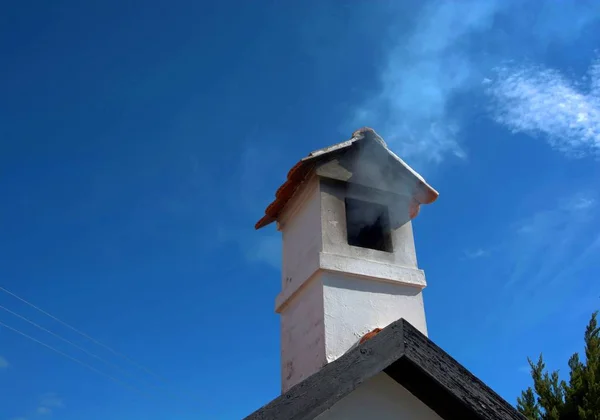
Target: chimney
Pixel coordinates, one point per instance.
(349, 261)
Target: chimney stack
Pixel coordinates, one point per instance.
(349, 261)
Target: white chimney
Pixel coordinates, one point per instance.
(349, 261)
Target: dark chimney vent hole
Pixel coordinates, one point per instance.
(368, 225)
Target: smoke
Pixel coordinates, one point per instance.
(449, 48)
(372, 166)
(423, 72)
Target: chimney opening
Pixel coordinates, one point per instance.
(368, 225)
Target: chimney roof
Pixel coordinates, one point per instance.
(423, 194)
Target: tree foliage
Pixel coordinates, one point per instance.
(551, 398)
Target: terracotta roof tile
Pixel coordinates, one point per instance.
(369, 335)
(424, 193)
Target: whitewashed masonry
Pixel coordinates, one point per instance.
(349, 261)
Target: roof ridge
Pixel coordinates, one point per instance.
(411, 359)
(424, 193)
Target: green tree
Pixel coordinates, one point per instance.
(551, 398)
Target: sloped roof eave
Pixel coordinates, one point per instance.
(409, 358)
(424, 193)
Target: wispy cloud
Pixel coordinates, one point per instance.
(252, 188)
(423, 72)
(3, 363)
(540, 101)
(541, 259)
(549, 239)
(260, 247)
(48, 403)
(477, 253)
(582, 203)
(46, 406)
(445, 49)
(267, 250)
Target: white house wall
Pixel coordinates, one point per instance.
(380, 398)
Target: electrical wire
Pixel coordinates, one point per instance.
(74, 359)
(106, 362)
(93, 340)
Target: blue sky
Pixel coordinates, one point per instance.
(140, 141)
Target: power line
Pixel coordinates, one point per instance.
(119, 368)
(165, 392)
(93, 369)
(114, 365)
(93, 340)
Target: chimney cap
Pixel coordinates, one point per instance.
(424, 193)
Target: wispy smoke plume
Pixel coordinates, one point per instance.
(447, 51)
(424, 70)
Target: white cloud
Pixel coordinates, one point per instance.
(3, 363)
(49, 402)
(478, 253)
(545, 241)
(582, 203)
(424, 70)
(541, 101)
(541, 260)
(51, 399)
(262, 247)
(444, 50)
(565, 215)
(267, 250)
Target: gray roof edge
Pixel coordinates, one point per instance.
(408, 357)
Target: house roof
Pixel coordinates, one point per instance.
(409, 358)
(423, 194)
